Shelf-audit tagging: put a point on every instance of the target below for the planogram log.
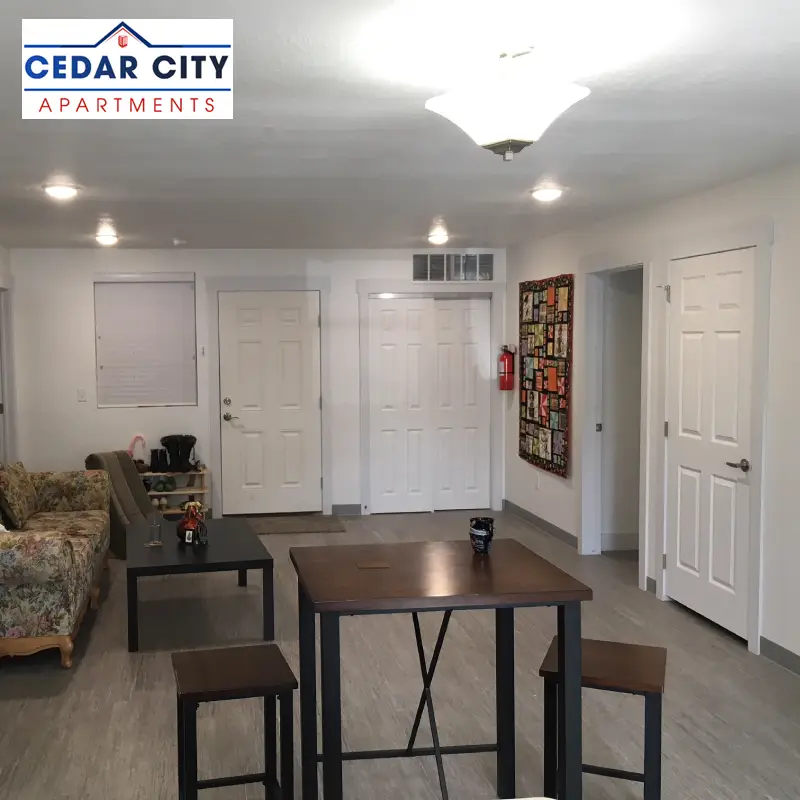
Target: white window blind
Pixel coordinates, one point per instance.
(145, 341)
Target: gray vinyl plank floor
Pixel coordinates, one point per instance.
(106, 728)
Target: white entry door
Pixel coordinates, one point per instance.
(269, 356)
(429, 405)
(709, 412)
(461, 408)
(401, 394)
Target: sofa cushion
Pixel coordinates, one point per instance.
(92, 525)
(17, 494)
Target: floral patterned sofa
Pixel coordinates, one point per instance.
(52, 556)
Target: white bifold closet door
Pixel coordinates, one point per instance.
(430, 369)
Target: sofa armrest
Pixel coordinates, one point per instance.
(88, 490)
(40, 557)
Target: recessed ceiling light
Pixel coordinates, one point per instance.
(438, 233)
(106, 233)
(547, 195)
(61, 191)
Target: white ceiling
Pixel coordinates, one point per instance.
(331, 146)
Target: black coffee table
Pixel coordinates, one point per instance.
(232, 546)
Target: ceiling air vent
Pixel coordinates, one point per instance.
(453, 267)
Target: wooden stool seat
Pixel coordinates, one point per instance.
(232, 673)
(612, 667)
(236, 673)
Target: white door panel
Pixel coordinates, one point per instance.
(270, 369)
(709, 408)
(461, 412)
(401, 332)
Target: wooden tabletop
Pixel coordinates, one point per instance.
(429, 576)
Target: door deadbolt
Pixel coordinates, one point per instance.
(227, 401)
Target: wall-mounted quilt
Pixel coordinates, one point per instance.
(545, 361)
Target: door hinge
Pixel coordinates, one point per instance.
(320, 482)
(319, 320)
(320, 402)
(666, 428)
(599, 427)
(664, 561)
(667, 291)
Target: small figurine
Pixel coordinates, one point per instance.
(192, 528)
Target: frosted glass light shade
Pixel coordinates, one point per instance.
(507, 109)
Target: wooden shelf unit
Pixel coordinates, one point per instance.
(201, 488)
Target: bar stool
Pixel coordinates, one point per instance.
(612, 667)
(236, 673)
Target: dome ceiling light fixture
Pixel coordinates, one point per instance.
(438, 234)
(511, 107)
(547, 194)
(61, 191)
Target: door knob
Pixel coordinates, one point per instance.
(228, 417)
(743, 465)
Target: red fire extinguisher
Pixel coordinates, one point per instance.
(505, 370)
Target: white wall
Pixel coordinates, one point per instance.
(54, 347)
(640, 238)
(5, 269)
(622, 382)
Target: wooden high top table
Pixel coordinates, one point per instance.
(336, 581)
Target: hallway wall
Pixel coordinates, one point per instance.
(622, 394)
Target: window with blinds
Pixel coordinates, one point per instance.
(453, 267)
(145, 341)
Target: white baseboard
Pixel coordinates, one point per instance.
(620, 541)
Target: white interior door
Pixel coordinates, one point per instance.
(401, 391)
(709, 412)
(269, 353)
(461, 409)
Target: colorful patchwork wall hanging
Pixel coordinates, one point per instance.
(545, 361)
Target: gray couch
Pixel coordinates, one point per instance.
(129, 499)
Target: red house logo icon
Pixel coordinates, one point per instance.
(123, 40)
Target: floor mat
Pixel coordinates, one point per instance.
(313, 523)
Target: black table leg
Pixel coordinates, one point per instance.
(181, 753)
(242, 577)
(569, 702)
(550, 739)
(308, 694)
(270, 744)
(287, 746)
(133, 613)
(504, 681)
(190, 749)
(427, 676)
(268, 604)
(331, 707)
(652, 746)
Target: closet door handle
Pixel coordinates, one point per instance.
(227, 417)
(743, 465)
